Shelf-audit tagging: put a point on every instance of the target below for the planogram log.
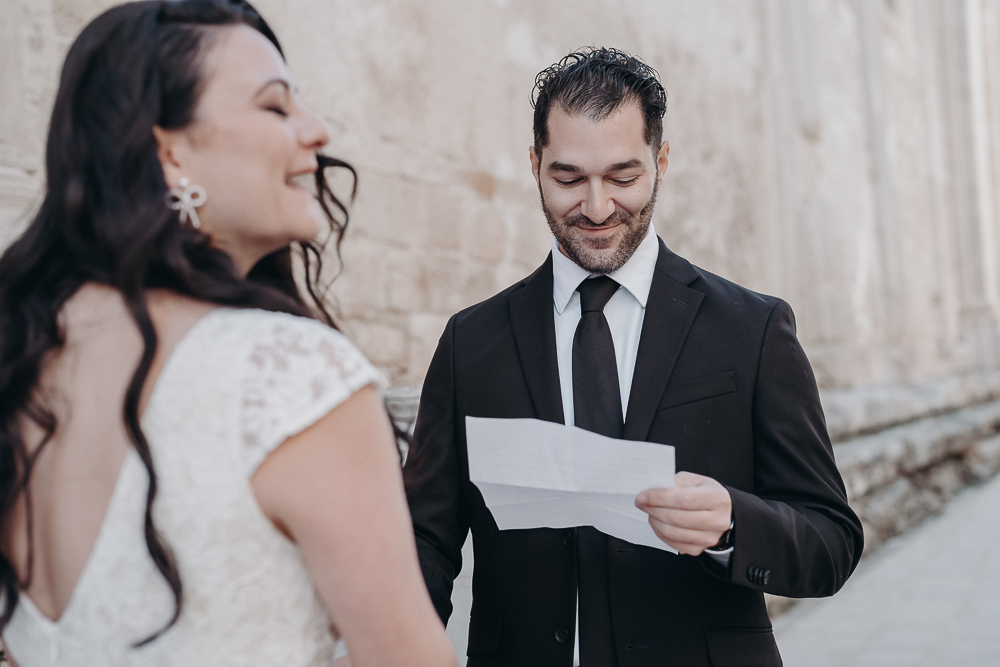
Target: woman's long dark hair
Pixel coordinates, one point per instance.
(104, 219)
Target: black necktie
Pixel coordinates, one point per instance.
(597, 404)
(597, 399)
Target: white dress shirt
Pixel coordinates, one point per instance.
(624, 311)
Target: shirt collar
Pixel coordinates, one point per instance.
(636, 275)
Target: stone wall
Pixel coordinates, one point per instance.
(841, 154)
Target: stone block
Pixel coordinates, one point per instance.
(447, 218)
(777, 605)
(983, 459)
(443, 276)
(391, 209)
(488, 238)
(425, 330)
(984, 419)
(892, 509)
(944, 479)
(362, 288)
(934, 439)
(384, 344)
(531, 237)
(407, 283)
(402, 402)
(869, 462)
(850, 412)
(479, 283)
(900, 476)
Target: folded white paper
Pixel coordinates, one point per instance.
(536, 474)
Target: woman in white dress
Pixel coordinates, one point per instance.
(195, 466)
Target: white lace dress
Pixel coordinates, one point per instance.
(237, 385)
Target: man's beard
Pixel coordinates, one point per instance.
(601, 255)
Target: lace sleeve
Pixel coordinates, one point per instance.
(298, 370)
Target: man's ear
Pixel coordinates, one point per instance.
(661, 162)
(535, 163)
(170, 149)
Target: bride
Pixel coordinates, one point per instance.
(195, 466)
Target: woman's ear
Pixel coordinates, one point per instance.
(170, 148)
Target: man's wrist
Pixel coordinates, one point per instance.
(726, 539)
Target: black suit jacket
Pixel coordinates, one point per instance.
(720, 376)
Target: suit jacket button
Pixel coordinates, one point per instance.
(567, 538)
(562, 635)
(758, 575)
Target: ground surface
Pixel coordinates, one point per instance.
(929, 597)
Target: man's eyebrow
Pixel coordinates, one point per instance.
(562, 166)
(618, 166)
(628, 164)
(281, 81)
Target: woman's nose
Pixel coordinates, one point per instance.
(314, 133)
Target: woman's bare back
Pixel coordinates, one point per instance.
(84, 385)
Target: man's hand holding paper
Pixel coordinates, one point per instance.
(692, 516)
(537, 474)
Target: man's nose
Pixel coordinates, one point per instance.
(598, 204)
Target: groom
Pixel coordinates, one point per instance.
(617, 334)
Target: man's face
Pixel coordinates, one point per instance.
(598, 183)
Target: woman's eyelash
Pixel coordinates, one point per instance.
(278, 110)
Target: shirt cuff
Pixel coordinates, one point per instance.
(720, 557)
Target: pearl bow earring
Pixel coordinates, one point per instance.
(186, 198)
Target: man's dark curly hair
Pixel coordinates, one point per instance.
(597, 82)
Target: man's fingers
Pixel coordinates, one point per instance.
(689, 498)
(705, 520)
(686, 541)
(691, 516)
(690, 491)
(685, 479)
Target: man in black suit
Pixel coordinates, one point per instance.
(666, 353)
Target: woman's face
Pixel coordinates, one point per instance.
(252, 147)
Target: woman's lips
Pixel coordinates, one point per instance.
(301, 181)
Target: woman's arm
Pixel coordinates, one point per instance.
(336, 490)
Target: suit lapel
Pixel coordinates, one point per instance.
(670, 311)
(535, 336)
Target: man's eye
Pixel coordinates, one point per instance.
(570, 182)
(625, 181)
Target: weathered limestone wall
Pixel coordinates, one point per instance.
(842, 155)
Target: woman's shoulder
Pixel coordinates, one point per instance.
(276, 355)
(273, 335)
(297, 370)
(288, 346)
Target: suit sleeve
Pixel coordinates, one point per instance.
(797, 525)
(433, 479)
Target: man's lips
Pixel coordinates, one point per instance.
(585, 224)
(596, 230)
